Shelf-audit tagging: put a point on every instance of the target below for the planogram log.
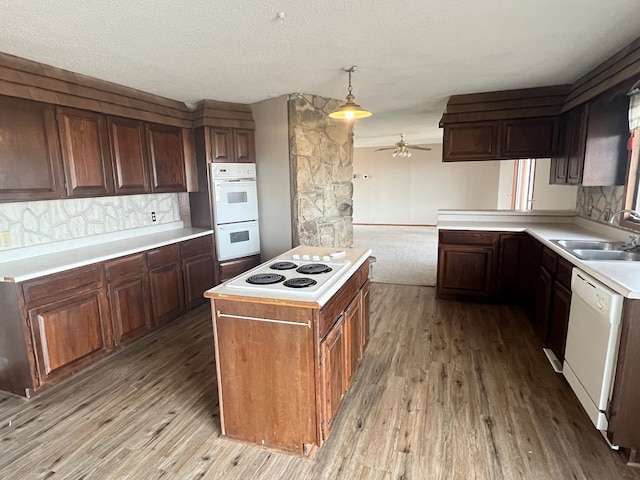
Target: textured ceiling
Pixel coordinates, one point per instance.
(412, 54)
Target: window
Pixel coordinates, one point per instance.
(632, 197)
(632, 200)
(522, 195)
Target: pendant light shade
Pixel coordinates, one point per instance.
(350, 110)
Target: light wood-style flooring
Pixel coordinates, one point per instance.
(446, 390)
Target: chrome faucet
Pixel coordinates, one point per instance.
(635, 215)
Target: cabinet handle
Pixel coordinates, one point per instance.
(268, 320)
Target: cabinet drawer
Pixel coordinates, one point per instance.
(466, 237)
(163, 256)
(61, 285)
(196, 246)
(125, 267)
(549, 260)
(230, 269)
(563, 272)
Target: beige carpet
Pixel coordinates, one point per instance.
(404, 255)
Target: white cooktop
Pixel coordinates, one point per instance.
(342, 261)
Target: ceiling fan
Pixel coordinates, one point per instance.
(402, 148)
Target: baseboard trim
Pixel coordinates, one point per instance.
(395, 224)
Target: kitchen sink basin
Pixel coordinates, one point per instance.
(589, 245)
(592, 254)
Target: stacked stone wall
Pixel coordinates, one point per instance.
(321, 162)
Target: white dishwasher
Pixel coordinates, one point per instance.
(593, 337)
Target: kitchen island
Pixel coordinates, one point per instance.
(286, 351)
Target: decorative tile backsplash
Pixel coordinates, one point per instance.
(598, 203)
(35, 223)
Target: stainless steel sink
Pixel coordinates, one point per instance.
(590, 254)
(589, 245)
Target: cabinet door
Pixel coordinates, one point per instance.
(167, 298)
(529, 138)
(559, 165)
(470, 141)
(354, 325)
(605, 156)
(244, 146)
(465, 270)
(130, 308)
(222, 145)
(559, 320)
(31, 167)
(167, 158)
(85, 152)
(68, 334)
(576, 139)
(544, 297)
(129, 153)
(198, 274)
(509, 266)
(333, 352)
(366, 314)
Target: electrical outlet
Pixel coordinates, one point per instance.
(5, 239)
(153, 216)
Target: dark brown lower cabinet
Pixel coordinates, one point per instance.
(480, 264)
(129, 297)
(559, 320)
(69, 334)
(56, 325)
(230, 268)
(198, 271)
(68, 319)
(165, 279)
(544, 299)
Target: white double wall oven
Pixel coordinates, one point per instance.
(235, 209)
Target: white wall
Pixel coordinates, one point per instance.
(411, 190)
(505, 184)
(274, 198)
(551, 197)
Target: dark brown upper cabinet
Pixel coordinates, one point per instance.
(233, 145)
(605, 152)
(529, 138)
(568, 161)
(474, 140)
(85, 152)
(244, 145)
(500, 139)
(129, 155)
(221, 145)
(30, 163)
(166, 153)
(593, 144)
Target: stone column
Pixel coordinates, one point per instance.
(321, 162)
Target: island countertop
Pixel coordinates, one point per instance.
(351, 258)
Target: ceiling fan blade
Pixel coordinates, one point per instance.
(419, 148)
(386, 148)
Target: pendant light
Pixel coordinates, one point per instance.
(350, 110)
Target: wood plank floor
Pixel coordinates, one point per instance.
(446, 390)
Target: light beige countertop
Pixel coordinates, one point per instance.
(621, 276)
(27, 263)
